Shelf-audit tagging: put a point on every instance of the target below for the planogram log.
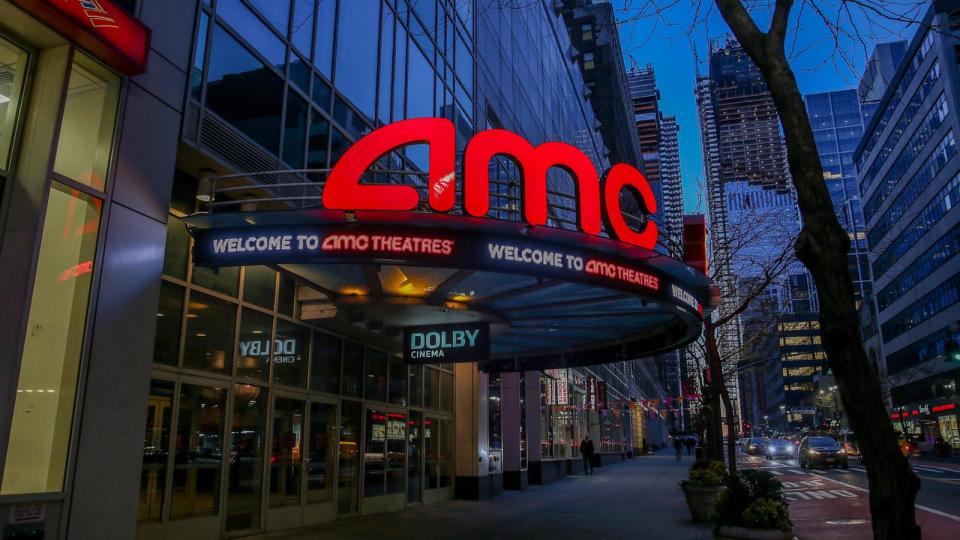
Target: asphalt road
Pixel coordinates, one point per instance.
(938, 499)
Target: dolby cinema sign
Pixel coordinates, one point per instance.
(467, 342)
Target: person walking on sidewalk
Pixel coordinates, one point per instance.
(586, 451)
(678, 446)
(690, 443)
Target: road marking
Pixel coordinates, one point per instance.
(860, 469)
(794, 471)
(776, 473)
(919, 506)
(928, 469)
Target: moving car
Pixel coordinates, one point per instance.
(779, 448)
(820, 451)
(755, 446)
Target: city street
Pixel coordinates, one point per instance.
(833, 502)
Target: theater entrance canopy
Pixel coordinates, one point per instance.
(561, 277)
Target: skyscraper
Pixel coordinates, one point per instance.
(877, 74)
(672, 185)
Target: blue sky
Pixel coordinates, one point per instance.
(665, 40)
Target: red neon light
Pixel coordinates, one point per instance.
(915, 412)
(618, 177)
(343, 190)
(946, 407)
(387, 243)
(98, 26)
(534, 162)
(895, 416)
(622, 273)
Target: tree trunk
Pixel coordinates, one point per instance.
(822, 246)
(731, 430)
(716, 389)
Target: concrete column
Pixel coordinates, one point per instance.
(472, 466)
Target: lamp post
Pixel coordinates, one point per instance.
(783, 414)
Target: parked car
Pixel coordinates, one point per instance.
(779, 448)
(755, 446)
(822, 451)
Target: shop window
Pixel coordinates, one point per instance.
(290, 354)
(376, 380)
(286, 458)
(246, 457)
(415, 376)
(89, 117)
(396, 452)
(352, 369)
(287, 296)
(446, 391)
(198, 452)
(208, 344)
(13, 70)
(169, 316)
(177, 251)
(398, 381)
(259, 284)
(156, 440)
(254, 345)
(325, 363)
(235, 77)
(295, 130)
(323, 452)
(50, 363)
(348, 471)
(494, 420)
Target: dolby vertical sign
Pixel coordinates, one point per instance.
(467, 342)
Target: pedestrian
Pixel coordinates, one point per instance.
(586, 452)
(678, 446)
(690, 443)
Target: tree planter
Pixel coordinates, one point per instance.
(700, 500)
(743, 533)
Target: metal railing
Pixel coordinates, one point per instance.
(298, 189)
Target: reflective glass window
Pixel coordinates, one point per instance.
(323, 47)
(89, 117)
(445, 453)
(398, 381)
(446, 391)
(386, 66)
(300, 73)
(338, 145)
(247, 433)
(431, 453)
(420, 80)
(177, 251)
(295, 130)
(322, 93)
(286, 456)
(376, 379)
(319, 140)
(166, 346)
(396, 451)
(287, 296)
(277, 12)
(50, 362)
(254, 344)
(13, 70)
(248, 25)
(431, 388)
(325, 363)
(243, 91)
(196, 70)
(323, 452)
(301, 33)
(224, 280)
(374, 453)
(208, 343)
(259, 283)
(415, 376)
(356, 71)
(156, 440)
(290, 354)
(352, 369)
(348, 470)
(414, 456)
(198, 452)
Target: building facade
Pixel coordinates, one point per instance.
(907, 174)
(261, 406)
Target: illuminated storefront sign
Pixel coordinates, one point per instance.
(469, 342)
(100, 27)
(343, 190)
(559, 390)
(469, 249)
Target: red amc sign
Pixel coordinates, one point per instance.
(343, 190)
(100, 27)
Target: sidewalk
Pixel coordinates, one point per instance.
(638, 498)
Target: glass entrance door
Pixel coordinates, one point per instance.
(414, 457)
(384, 460)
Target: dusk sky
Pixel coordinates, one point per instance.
(665, 41)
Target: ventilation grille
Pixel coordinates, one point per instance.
(225, 141)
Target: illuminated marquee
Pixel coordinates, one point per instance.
(343, 190)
